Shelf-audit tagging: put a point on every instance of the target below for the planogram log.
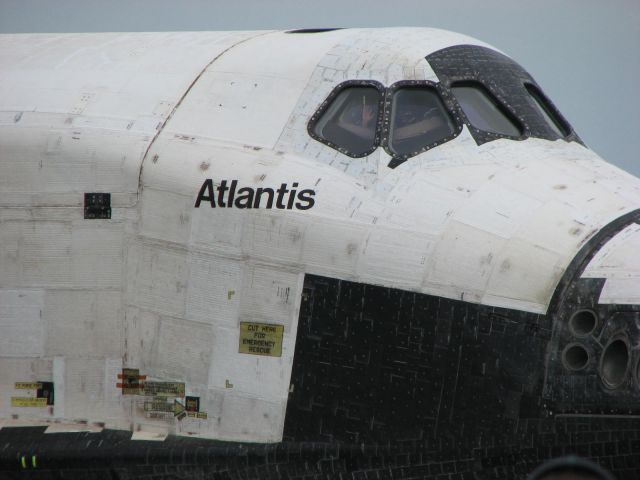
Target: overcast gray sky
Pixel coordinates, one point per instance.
(584, 53)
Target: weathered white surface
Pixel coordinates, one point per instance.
(80, 110)
(21, 323)
(163, 286)
(247, 95)
(619, 263)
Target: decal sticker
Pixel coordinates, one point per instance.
(27, 385)
(43, 394)
(192, 404)
(158, 405)
(163, 389)
(228, 195)
(261, 339)
(160, 408)
(130, 384)
(28, 402)
(200, 415)
(158, 415)
(192, 407)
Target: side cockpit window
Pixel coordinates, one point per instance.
(483, 111)
(553, 120)
(418, 120)
(496, 97)
(349, 120)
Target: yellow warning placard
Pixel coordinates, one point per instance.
(200, 415)
(28, 385)
(28, 402)
(261, 339)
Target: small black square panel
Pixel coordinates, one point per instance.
(97, 205)
(192, 404)
(46, 391)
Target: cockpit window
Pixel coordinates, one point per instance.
(507, 102)
(483, 111)
(350, 122)
(553, 120)
(418, 120)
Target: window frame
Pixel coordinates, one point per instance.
(324, 106)
(443, 95)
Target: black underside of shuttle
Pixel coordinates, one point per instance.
(388, 383)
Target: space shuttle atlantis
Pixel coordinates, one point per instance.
(340, 253)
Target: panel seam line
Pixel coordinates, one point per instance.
(181, 99)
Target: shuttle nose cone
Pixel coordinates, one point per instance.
(594, 356)
(617, 268)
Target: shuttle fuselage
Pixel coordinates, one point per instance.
(341, 251)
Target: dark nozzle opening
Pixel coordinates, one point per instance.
(614, 363)
(583, 322)
(575, 357)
